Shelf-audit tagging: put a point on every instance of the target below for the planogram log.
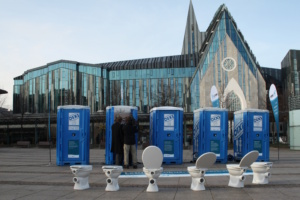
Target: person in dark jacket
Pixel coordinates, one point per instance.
(129, 130)
(117, 140)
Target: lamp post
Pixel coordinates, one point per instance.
(49, 110)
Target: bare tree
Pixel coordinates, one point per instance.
(165, 96)
(2, 103)
(116, 94)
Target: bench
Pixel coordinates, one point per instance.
(23, 144)
(45, 144)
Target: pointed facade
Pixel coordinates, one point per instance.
(193, 38)
(227, 62)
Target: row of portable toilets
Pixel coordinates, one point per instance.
(210, 133)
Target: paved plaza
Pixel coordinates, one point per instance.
(25, 173)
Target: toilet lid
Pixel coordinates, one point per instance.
(152, 157)
(206, 160)
(249, 158)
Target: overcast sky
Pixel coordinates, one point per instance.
(36, 32)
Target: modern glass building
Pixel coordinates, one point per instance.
(219, 56)
(290, 68)
(144, 83)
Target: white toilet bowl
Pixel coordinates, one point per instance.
(236, 171)
(112, 173)
(152, 159)
(236, 175)
(197, 172)
(261, 172)
(81, 178)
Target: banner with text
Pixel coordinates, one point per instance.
(274, 102)
(214, 97)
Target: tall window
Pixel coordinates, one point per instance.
(233, 102)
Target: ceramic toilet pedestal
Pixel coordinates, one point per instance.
(152, 174)
(236, 177)
(81, 178)
(112, 173)
(261, 172)
(81, 183)
(198, 179)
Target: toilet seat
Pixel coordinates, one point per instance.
(82, 167)
(205, 161)
(152, 157)
(158, 170)
(112, 167)
(262, 164)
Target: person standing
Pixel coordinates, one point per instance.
(117, 140)
(129, 130)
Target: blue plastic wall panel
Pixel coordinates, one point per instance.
(111, 113)
(167, 132)
(210, 133)
(251, 132)
(73, 135)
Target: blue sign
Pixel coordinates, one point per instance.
(214, 97)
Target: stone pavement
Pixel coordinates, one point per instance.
(25, 173)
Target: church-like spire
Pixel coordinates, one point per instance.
(192, 37)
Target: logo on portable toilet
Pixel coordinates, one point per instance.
(168, 122)
(215, 122)
(74, 121)
(257, 122)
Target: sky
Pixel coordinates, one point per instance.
(36, 32)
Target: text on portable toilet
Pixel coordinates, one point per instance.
(168, 122)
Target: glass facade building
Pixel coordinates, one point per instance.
(144, 83)
(219, 56)
(290, 69)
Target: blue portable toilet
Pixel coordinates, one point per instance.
(210, 133)
(111, 113)
(73, 135)
(166, 132)
(251, 132)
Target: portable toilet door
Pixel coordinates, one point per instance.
(111, 113)
(214, 132)
(109, 156)
(240, 136)
(198, 134)
(258, 133)
(73, 135)
(168, 133)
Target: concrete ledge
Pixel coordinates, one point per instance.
(45, 144)
(23, 144)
